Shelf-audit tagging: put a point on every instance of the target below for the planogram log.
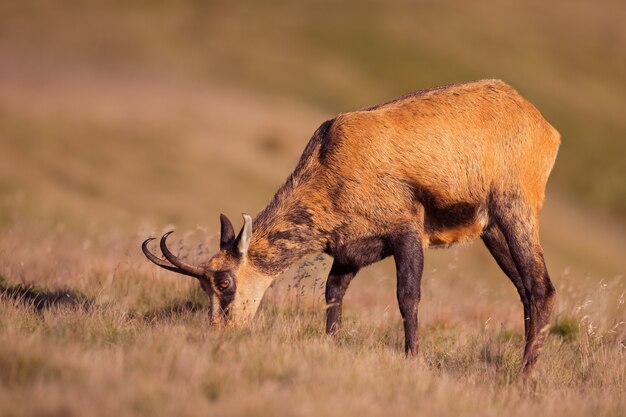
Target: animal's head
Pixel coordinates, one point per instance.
(234, 287)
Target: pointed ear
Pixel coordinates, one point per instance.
(227, 234)
(243, 240)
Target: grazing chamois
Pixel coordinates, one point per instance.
(430, 169)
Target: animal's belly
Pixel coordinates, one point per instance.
(442, 232)
(444, 238)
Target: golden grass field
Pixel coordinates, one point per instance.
(115, 126)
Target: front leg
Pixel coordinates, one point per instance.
(409, 257)
(336, 286)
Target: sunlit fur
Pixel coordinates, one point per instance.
(432, 160)
(430, 169)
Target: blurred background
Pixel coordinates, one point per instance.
(121, 118)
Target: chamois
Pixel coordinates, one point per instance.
(436, 167)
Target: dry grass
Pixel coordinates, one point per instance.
(111, 131)
(138, 343)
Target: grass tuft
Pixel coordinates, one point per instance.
(568, 328)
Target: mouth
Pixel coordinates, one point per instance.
(218, 320)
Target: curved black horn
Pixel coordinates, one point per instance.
(160, 262)
(194, 271)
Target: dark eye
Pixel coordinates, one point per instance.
(223, 281)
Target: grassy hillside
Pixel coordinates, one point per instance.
(566, 56)
(122, 120)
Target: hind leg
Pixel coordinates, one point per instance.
(519, 225)
(496, 244)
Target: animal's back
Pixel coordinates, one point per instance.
(446, 148)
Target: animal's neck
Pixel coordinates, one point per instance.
(283, 233)
(298, 219)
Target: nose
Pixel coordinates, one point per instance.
(218, 318)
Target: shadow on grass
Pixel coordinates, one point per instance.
(41, 299)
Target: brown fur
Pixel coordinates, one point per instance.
(372, 172)
(436, 167)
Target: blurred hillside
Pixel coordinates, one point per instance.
(567, 57)
(129, 115)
